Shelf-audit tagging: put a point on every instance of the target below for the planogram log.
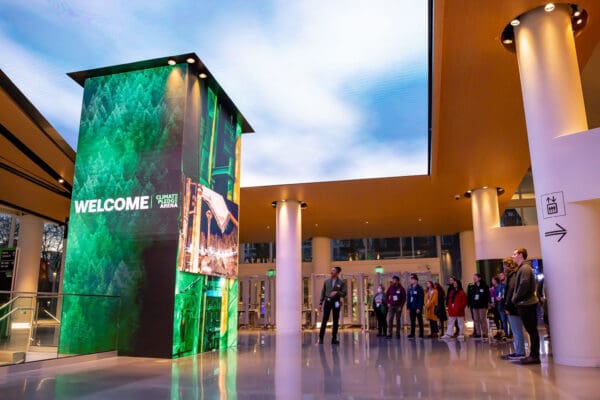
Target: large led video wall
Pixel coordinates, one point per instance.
(154, 217)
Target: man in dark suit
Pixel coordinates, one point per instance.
(334, 290)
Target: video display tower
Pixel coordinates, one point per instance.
(154, 212)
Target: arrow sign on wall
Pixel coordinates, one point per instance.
(561, 232)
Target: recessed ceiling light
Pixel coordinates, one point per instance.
(366, 222)
(61, 180)
(268, 227)
(549, 7)
(485, 187)
(420, 219)
(577, 13)
(469, 191)
(190, 60)
(171, 61)
(579, 21)
(202, 75)
(515, 22)
(507, 41)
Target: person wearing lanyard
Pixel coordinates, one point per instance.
(334, 290)
(479, 299)
(380, 307)
(416, 298)
(396, 297)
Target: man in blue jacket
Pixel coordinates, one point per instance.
(416, 298)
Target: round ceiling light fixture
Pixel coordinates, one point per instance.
(549, 7)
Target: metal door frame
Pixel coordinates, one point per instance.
(267, 318)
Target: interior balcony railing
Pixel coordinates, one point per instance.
(30, 325)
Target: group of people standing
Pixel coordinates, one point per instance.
(512, 299)
(421, 304)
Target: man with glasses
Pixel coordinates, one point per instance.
(334, 290)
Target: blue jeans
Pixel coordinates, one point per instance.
(516, 326)
(503, 319)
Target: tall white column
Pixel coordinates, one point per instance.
(486, 215)
(288, 366)
(289, 266)
(30, 247)
(321, 255)
(554, 107)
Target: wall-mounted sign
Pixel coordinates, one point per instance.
(553, 205)
(7, 259)
(561, 231)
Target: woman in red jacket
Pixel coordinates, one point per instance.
(456, 301)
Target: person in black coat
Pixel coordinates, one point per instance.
(380, 307)
(441, 307)
(478, 299)
(416, 298)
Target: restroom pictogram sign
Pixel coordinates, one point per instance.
(553, 205)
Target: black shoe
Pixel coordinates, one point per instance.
(320, 341)
(508, 356)
(530, 360)
(335, 341)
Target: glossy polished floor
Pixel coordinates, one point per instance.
(294, 367)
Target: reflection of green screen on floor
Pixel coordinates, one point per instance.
(154, 215)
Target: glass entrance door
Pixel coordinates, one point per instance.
(355, 301)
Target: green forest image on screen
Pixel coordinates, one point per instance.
(145, 136)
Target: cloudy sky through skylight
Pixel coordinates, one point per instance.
(334, 89)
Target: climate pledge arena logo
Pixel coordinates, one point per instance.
(129, 203)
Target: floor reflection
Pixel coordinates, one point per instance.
(268, 366)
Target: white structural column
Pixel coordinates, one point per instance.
(288, 366)
(30, 247)
(554, 109)
(321, 255)
(289, 266)
(486, 216)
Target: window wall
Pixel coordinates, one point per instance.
(384, 248)
(522, 210)
(350, 249)
(259, 253)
